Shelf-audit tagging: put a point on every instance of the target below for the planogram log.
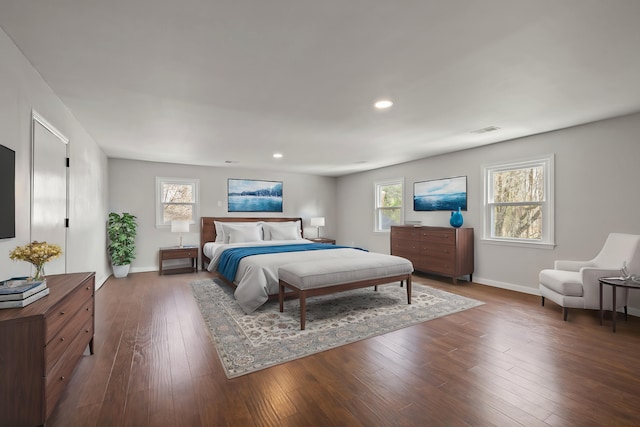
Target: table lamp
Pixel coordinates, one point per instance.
(180, 227)
(317, 222)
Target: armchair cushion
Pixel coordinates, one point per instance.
(564, 282)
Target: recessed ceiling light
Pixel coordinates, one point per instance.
(277, 155)
(382, 104)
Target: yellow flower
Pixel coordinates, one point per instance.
(36, 253)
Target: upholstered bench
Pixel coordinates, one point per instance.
(314, 278)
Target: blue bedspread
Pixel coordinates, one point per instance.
(230, 258)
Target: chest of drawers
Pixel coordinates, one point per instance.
(40, 345)
(439, 250)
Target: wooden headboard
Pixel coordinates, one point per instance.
(208, 229)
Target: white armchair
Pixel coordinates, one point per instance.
(574, 284)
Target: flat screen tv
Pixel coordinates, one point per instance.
(446, 194)
(7, 193)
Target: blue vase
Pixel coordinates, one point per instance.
(456, 219)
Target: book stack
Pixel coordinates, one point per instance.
(20, 292)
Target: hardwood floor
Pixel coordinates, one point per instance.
(508, 362)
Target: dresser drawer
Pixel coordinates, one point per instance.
(407, 245)
(60, 374)
(443, 259)
(440, 236)
(63, 339)
(64, 311)
(406, 233)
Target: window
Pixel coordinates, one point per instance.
(389, 204)
(176, 199)
(519, 202)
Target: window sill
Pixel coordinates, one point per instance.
(519, 243)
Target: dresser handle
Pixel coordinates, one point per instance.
(61, 338)
(62, 378)
(61, 313)
(86, 330)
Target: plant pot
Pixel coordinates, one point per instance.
(120, 270)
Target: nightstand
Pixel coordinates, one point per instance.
(323, 240)
(175, 252)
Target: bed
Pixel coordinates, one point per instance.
(259, 247)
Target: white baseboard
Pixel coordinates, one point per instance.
(633, 311)
(504, 285)
(142, 269)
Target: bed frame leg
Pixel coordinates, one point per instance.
(409, 289)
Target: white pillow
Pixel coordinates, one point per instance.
(290, 232)
(222, 235)
(219, 232)
(268, 226)
(245, 234)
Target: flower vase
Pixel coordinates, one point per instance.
(456, 219)
(39, 274)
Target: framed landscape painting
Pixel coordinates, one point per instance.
(447, 194)
(248, 195)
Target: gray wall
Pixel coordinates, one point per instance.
(132, 189)
(596, 179)
(21, 91)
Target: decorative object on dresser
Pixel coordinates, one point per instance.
(122, 230)
(20, 292)
(37, 254)
(190, 252)
(40, 346)
(438, 250)
(456, 219)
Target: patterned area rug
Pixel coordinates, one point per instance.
(249, 342)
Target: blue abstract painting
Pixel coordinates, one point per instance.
(248, 195)
(447, 194)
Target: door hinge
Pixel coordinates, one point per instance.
(66, 222)
(67, 162)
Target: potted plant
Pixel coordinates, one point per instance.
(122, 246)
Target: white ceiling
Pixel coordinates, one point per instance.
(207, 81)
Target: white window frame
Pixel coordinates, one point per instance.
(376, 201)
(160, 181)
(548, 209)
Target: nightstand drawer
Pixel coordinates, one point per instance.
(179, 253)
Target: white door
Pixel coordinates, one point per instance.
(49, 190)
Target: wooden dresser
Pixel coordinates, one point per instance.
(40, 345)
(439, 250)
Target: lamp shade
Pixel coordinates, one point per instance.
(179, 226)
(317, 222)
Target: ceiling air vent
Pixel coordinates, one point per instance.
(487, 129)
